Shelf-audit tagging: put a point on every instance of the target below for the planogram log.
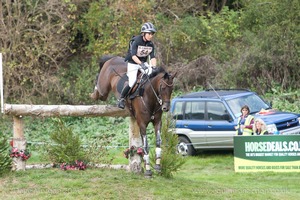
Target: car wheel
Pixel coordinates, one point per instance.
(185, 147)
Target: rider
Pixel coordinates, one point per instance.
(140, 48)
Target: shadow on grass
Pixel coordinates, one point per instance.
(208, 153)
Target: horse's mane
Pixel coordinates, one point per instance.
(157, 71)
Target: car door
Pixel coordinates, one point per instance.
(220, 128)
(190, 121)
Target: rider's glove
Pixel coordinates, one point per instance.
(143, 66)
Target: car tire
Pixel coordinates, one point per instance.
(184, 147)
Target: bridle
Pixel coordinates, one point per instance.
(157, 95)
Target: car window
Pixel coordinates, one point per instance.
(195, 110)
(216, 111)
(178, 110)
(254, 102)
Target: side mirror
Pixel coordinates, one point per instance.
(271, 104)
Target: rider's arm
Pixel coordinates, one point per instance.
(136, 60)
(153, 62)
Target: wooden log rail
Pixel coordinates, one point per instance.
(64, 110)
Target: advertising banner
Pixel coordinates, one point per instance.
(279, 153)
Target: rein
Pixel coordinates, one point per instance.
(159, 100)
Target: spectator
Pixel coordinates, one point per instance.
(260, 127)
(245, 122)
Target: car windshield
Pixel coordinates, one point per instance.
(254, 102)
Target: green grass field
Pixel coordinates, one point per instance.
(208, 175)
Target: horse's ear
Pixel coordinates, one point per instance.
(174, 75)
(166, 76)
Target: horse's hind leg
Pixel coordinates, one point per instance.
(95, 94)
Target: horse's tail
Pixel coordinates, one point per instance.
(103, 59)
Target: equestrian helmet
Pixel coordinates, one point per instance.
(148, 28)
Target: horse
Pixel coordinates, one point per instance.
(146, 102)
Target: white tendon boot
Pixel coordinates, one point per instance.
(157, 166)
(148, 172)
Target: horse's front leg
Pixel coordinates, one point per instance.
(148, 172)
(157, 127)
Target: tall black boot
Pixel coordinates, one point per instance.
(124, 93)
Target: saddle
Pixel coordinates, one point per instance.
(138, 87)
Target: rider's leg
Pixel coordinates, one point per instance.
(124, 93)
(132, 70)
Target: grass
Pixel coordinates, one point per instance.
(208, 175)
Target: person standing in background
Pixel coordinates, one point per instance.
(245, 122)
(260, 127)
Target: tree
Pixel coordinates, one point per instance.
(35, 39)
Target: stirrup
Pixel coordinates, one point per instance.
(121, 103)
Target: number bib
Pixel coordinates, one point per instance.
(143, 51)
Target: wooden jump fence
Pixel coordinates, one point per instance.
(18, 111)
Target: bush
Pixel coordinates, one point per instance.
(171, 161)
(5, 160)
(66, 147)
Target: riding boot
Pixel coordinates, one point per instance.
(124, 93)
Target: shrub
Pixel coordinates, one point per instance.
(66, 147)
(5, 160)
(67, 150)
(171, 161)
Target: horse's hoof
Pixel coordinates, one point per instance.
(157, 168)
(148, 174)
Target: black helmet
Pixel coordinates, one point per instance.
(148, 28)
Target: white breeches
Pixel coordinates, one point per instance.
(132, 70)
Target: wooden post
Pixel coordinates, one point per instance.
(135, 140)
(19, 142)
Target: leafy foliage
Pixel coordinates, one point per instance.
(35, 39)
(269, 50)
(97, 152)
(54, 46)
(66, 147)
(170, 161)
(5, 160)
(285, 100)
(108, 25)
(66, 144)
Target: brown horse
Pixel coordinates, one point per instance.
(145, 104)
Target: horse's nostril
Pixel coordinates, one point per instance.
(165, 109)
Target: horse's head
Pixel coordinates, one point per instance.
(165, 90)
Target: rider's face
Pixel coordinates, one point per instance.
(148, 36)
(244, 111)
